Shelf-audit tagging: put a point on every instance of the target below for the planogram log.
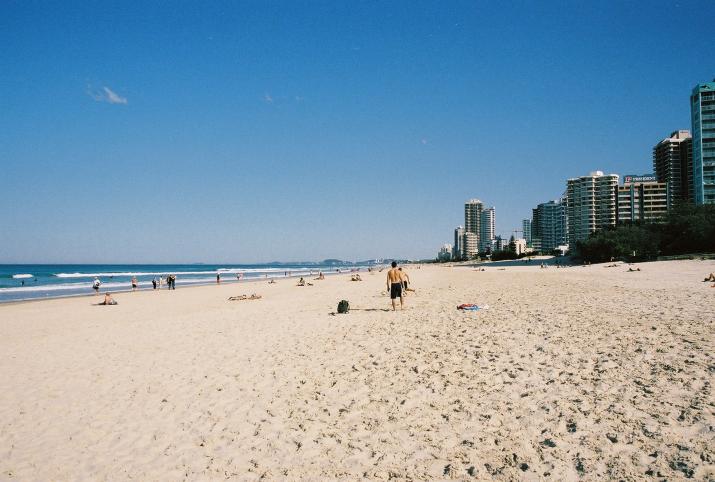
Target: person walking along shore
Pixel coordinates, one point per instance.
(394, 286)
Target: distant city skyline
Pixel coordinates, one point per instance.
(254, 132)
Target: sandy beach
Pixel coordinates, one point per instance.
(584, 373)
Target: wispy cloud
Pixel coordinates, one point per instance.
(105, 94)
(281, 100)
(113, 97)
(424, 141)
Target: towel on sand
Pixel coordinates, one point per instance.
(472, 307)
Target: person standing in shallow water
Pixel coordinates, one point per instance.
(394, 286)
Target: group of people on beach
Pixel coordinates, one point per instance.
(170, 280)
(397, 284)
(156, 283)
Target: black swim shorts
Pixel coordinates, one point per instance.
(395, 290)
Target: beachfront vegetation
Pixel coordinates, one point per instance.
(502, 255)
(686, 229)
(508, 254)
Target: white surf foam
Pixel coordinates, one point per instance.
(55, 287)
(22, 276)
(188, 273)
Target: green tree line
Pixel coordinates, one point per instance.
(685, 229)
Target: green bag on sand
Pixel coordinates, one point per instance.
(343, 306)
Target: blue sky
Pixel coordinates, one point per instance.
(258, 131)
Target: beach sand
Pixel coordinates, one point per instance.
(587, 373)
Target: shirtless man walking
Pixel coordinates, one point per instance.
(394, 285)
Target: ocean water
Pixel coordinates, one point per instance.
(36, 281)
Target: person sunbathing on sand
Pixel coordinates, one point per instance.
(253, 296)
(710, 278)
(631, 270)
(356, 277)
(301, 282)
(272, 282)
(108, 300)
(321, 276)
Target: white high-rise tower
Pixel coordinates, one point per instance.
(590, 204)
(486, 229)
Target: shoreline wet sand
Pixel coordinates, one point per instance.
(581, 373)
(53, 291)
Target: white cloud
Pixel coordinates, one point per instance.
(106, 95)
(113, 97)
(267, 98)
(424, 141)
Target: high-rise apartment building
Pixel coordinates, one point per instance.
(549, 221)
(500, 244)
(590, 204)
(458, 247)
(473, 220)
(471, 245)
(526, 228)
(642, 199)
(535, 233)
(486, 229)
(702, 114)
(673, 165)
(445, 252)
(518, 245)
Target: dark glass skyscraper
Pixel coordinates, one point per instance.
(673, 165)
